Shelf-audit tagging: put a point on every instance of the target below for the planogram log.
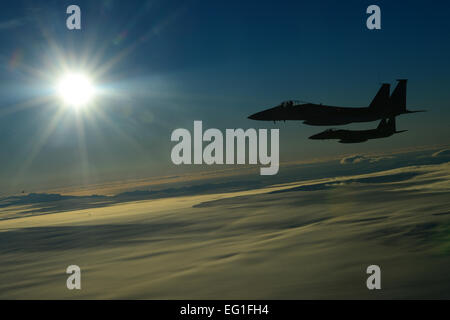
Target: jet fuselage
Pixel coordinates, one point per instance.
(382, 106)
(322, 115)
(384, 130)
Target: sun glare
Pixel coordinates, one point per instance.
(75, 89)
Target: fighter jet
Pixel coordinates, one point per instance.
(384, 129)
(382, 106)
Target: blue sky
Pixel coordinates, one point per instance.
(180, 61)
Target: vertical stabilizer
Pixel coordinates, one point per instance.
(391, 124)
(382, 124)
(381, 99)
(398, 96)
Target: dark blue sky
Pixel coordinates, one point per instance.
(179, 61)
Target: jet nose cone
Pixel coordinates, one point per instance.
(271, 114)
(255, 116)
(319, 136)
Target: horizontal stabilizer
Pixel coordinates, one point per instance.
(415, 111)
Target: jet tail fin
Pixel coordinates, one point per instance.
(398, 96)
(382, 124)
(387, 125)
(391, 123)
(381, 99)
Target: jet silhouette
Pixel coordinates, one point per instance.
(382, 106)
(384, 129)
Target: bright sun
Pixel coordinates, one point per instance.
(75, 89)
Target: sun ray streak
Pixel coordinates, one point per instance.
(83, 150)
(104, 117)
(32, 103)
(37, 146)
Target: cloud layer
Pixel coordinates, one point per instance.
(364, 158)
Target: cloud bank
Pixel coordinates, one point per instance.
(441, 153)
(364, 158)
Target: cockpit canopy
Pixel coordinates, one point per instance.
(290, 103)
